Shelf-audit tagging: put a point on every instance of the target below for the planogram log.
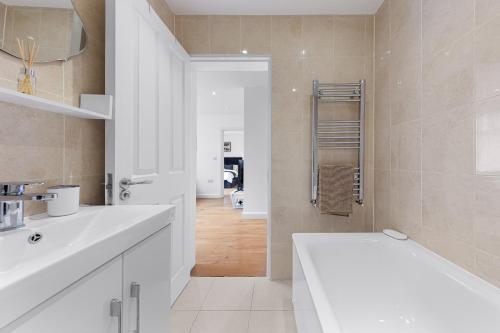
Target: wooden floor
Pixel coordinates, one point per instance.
(226, 245)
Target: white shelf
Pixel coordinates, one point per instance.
(102, 111)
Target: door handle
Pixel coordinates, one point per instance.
(135, 292)
(116, 311)
(126, 182)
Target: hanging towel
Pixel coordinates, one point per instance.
(336, 189)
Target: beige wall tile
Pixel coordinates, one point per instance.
(405, 89)
(487, 139)
(488, 267)
(256, 34)
(457, 251)
(382, 112)
(286, 36)
(448, 78)
(487, 60)
(317, 36)
(45, 146)
(448, 142)
(196, 34)
(225, 34)
(406, 142)
(382, 200)
(455, 86)
(487, 214)
(281, 263)
(350, 36)
(448, 205)
(445, 22)
(486, 10)
(348, 69)
(406, 202)
(404, 13)
(382, 29)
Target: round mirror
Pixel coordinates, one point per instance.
(52, 26)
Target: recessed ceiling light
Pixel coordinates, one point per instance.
(294, 90)
(214, 93)
(244, 51)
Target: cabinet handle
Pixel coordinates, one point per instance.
(116, 311)
(135, 292)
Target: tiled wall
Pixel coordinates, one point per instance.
(37, 145)
(303, 48)
(437, 127)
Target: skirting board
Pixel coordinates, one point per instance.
(253, 215)
(209, 196)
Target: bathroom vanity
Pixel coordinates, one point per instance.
(103, 270)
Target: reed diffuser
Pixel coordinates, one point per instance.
(26, 83)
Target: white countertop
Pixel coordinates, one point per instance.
(70, 248)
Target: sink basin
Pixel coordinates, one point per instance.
(49, 254)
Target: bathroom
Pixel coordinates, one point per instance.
(419, 238)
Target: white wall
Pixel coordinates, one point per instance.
(216, 114)
(237, 140)
(256, 144)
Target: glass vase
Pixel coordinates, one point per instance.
(26, 82)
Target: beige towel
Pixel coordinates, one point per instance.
(336, 189)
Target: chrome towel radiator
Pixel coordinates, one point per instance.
(338, 134)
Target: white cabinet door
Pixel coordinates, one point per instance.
(83, 307)
(146, 285)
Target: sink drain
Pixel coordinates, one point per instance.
(35, 238)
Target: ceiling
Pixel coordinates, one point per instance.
(274, 7)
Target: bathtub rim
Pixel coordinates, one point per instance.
(324, 308)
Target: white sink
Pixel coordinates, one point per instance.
(69, 248)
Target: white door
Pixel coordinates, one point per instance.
(150, 141)
(146, 291)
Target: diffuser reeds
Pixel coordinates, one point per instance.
(28, 51)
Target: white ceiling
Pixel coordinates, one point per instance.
(274, 7)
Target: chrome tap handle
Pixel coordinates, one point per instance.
(16, 188)
(30, 197)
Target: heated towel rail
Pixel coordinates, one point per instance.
(338, 134)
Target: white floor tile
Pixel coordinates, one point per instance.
(182, 321)
(230, 294)
(194, 294)
(272, 322)
(272, 295)
(221, 322)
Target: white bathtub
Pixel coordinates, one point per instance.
(370, 283)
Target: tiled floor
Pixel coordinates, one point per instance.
(234, 305)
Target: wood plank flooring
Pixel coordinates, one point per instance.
(227, 245)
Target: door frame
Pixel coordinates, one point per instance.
(255, 59)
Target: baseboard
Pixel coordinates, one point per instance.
(254, 215)
(209, 196)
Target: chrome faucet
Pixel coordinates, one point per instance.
(12, 199)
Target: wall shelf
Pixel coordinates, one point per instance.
(93, 106)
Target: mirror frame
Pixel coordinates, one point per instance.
(71, 56)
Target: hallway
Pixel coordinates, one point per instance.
(227, 245)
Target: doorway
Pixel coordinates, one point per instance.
(233, 166)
